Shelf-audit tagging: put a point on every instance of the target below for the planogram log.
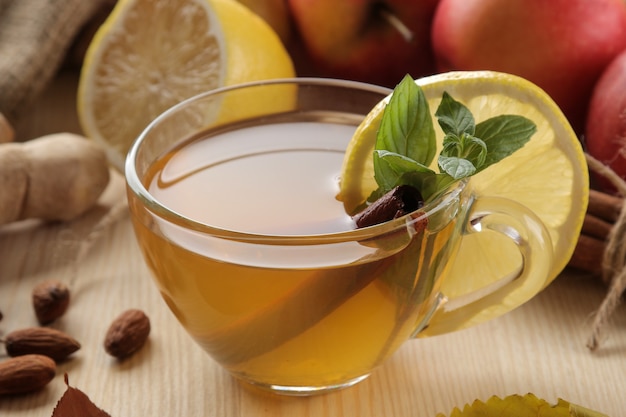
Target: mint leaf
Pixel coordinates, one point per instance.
(453, 117)
(466, 147)
(406, 142)
(504, 135)
(456, 167)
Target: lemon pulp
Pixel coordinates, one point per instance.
(149, 55)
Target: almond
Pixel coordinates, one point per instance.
(40, 340)
(127, 334)
(25, 374)
(50, 300)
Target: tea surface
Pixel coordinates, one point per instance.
(285, 315)
(277, 178)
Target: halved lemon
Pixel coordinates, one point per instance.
(548, 175)
(149, 55)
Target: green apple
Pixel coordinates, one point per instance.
(377, 41)
(561, 45)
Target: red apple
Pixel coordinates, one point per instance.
(605, 133)
(560, 45)
(376, 41)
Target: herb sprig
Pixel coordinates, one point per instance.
(406, 142)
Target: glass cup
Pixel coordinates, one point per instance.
(232, 198)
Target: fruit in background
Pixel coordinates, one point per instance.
(365, 40)
(560, 45)
(275, 13)
(605, 133)
(150, 55)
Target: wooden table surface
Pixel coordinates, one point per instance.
(538, 348)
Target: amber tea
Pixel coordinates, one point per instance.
(303, 316)
(233, 199)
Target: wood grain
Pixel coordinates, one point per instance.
(537, 348)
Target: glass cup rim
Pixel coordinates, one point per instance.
(135, 185)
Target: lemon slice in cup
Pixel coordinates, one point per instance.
(149, 55)
(548, 175)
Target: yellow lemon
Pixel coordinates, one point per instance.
(548, 175)
(149, 55)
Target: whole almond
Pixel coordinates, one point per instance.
(127, 334)
(52, 343)
(50, 300)
(25, 374)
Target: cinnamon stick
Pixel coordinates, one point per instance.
(596, 227)
(398, 202)
(604, 206)
(603, 211)
(588, 254)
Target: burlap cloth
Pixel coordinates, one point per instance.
(35, 39)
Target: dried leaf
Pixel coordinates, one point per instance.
(522, 406)
(75, 403)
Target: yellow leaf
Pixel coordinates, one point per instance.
(522, 406)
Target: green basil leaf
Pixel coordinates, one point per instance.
(407, 126)
(401, 163)
(394, 166)
(384, 173)
(429, 184)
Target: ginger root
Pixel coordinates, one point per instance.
(55, 177)
(7, 133)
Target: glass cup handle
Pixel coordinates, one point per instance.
(503, 294)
